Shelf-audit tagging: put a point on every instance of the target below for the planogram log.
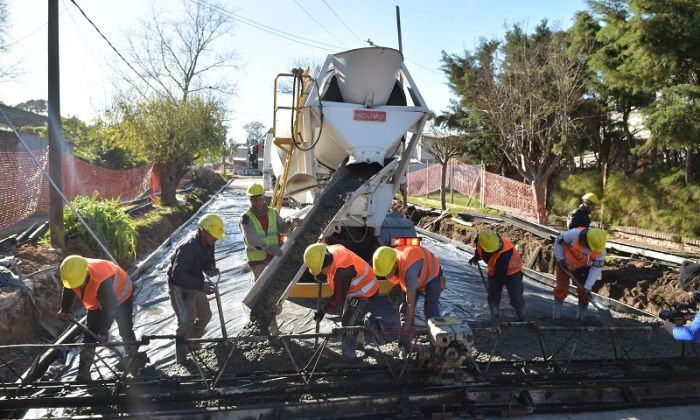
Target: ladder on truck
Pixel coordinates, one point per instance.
(300, 79)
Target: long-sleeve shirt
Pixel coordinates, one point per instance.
(252, 237)
(569, 238)
(579, 218)
(189, 261)
(105, 296)
(688, 333)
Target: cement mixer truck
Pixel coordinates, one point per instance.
(339, 150)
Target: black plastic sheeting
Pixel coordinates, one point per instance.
(464, 297)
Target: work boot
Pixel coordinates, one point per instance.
(556, 309)
(582, 310)
(520, 313)
(87, 356)
(348, 349)
(181, 353)
(136, 362)
(495, 311)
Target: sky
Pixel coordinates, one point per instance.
(312, 30)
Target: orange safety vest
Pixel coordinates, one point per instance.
(101, 271)
(575, 254)
(364, 284)
(514, 265)
(406, 256)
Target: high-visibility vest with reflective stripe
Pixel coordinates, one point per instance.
(407, 255)
(576, 255)
(104, 271)
(364, 284)
(269, 238)
(514, 265)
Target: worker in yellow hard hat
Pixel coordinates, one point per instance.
(262, 228)
(504, 268)
(579, 252)
(415, 270)
(581, 217)
(106, 292)
(353, 283)
(187, 285)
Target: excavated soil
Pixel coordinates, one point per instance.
(644, 285)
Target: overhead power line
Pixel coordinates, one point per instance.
(343, 22)
(317, 22)
(113, 47)
(269, 29)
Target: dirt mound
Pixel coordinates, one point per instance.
(207, 179)
(641, 284)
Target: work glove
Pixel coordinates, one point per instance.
(207, 288)
(474, 260)
(668, 314)
(65, 316)
(318, 315)
(211, 272)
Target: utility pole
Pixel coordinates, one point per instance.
(55, 146)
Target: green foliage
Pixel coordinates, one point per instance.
(109, 222)
(166, 131)
(656, 200)
(674, 118)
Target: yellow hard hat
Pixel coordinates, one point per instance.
(383, 261)
(213, 224)
(596, 239)
(74, 269)
(489, 240)
(314, 256)
(590, 198)
(255, 189)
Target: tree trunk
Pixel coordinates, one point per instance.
(539, 189)
(691, 161)
(168, 176)
(443, 178)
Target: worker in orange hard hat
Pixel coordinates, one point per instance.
(581, 217)
(262, 228)
(105, 291)
(187, 285)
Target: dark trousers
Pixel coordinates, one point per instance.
(431, 304)
(514, 285)
(124, 318)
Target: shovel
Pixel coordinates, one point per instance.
(217, 296)
(605, 316)
(483, 280)
(318, 307)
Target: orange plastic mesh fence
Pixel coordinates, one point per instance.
(500, 193)
(24, 191)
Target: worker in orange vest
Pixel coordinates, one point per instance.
(353, 283)
(106, 293)
(415, 270)
(505, 268)
(579, 252)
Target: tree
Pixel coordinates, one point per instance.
(255, 133)
(443, 144)
(171, 133)
(7, 70)
(651, 46)
(37, 106)
(528, 88)
(176, 57)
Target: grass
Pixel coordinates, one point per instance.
(656, 200)
(459, 205)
